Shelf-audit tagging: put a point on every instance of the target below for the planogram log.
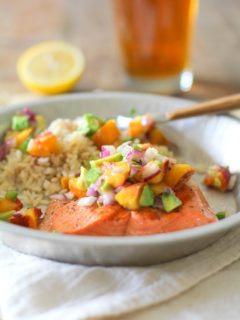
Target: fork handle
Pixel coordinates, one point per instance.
(213, 106)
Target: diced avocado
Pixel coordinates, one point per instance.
(221, 215)
(147, 197)
(23, 146)
(92, 175)
(90, 124)
(113, 158)
(105, 186)
(11, 195)
(170, 201)
(136, 147)
(5, 216)
(20, 123)
(83, 176)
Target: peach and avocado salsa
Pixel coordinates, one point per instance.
(132, 175)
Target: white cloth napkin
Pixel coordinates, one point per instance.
(32, 288)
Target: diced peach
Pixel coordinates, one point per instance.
(136, 129)
(76, 187)
(178, 175)
(23, 135)
(32, 217)
(140, 125)
(158, 188)
(64, 182)
(43, 145)
(8, 205)
(116, 173)
(156, 136)
(129, 197)
(107, 134)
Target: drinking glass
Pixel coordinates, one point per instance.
(155, 38)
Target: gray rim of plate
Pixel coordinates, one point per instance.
(99, 241)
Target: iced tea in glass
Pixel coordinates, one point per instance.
(155, 39)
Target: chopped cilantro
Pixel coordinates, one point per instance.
(221, 215)
(133, 112)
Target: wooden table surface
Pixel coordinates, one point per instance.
(89, 25)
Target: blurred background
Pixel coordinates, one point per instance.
(90, 26)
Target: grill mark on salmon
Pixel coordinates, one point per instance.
(113, 220)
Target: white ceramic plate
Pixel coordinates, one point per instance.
(212, 139)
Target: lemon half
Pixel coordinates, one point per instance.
(51, 67)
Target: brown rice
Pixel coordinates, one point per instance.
(37, 178)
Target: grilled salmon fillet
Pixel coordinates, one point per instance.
(113, 220)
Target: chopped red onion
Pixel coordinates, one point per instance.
(135, 155)
(69, 195)
(118, 170)
(158, 203)
(125, 148)
(59, 196)
(100, 199)
(134, 170)
(108, 198)
(150, 154)
(5, 148)
(104, 153)
(138, 152)
(97, 184)
(150, 170)
(107, 150)
(86, 201)
(129, 155)
(118, 189)
(3, 152)
(10, 143)
(168, 190)
(91, 192)
(30, 114)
